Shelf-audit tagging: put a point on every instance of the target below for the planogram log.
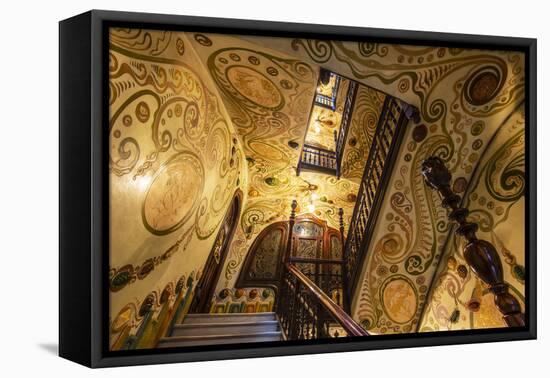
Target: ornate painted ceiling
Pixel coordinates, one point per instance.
(272, 122)
(323, 122)
(213, 113)
(465, 97)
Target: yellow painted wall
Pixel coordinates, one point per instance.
(175, 163)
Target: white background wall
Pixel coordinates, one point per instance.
(29, 185)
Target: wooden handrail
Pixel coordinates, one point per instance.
(338, 314)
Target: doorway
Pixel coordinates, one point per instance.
(316, 250)
(206, 286)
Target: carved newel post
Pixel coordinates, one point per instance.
(291, 221)
(480, 255)
(341, 216)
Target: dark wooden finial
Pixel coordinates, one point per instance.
(341, 216)
(411, 112)
(481, 256)
(293, 206)
(291, 221)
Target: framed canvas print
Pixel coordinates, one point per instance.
(234, 188)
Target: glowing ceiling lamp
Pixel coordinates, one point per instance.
(142, 182)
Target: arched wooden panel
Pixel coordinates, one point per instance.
(263, 263)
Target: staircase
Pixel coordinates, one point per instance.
(216, 329)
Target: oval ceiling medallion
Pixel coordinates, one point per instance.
(483, 85)
(266, 150)
(173, 194)
(255, 87)
(399, 299)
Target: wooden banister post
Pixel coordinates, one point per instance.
(341, 216)
(345, 284)
(291, 221)
(480, 255)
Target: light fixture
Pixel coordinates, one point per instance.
(142, 182)
(311, 207)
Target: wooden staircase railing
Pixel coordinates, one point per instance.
(378, 168)
(317, 159)
(481, 256)
(306, 312)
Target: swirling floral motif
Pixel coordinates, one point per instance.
(237, 253)
(125, 151)
(428, 214)
(162, 115)
(261, 213)
(144, 41)
(366, 113)
(424, 74)
(151, 108)
(257, 103)
(320, 51)
(420, 74)
(436, 79)
(490, 209)
(505, 178)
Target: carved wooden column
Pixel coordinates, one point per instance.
(292, 322)
(480, 255)
(344, 269)
(291, 221)
(341, 216)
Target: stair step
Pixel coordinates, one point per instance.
(225, 328)
(229, 318)
(179, 341)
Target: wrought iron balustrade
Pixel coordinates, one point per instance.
(317, 159)
(306, 312)
(326, 274)
(382, 155)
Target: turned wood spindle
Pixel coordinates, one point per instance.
(291, 221)
(341, 216)
(481, 256)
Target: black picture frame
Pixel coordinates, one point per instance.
(83, 196)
